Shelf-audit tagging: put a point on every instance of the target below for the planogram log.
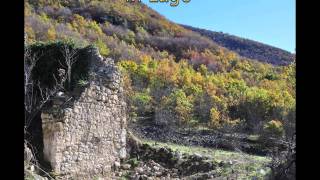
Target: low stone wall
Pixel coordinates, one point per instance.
(151, 162)
(86, 139)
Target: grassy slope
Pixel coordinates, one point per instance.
(243, 166)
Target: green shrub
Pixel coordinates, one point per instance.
(142, 98)
(82, 82)
(103, 49)
(182, 105)
(134, 162)
(274, 128)
(142, 102)
(214, 118)
(271, 76)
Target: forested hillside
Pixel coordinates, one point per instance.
(248, 48)
(168, 67)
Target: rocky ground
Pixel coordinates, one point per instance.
(198, 159)
(150, 161)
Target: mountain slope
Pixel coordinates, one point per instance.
(126, 28)
(170, 72)
(248, 48)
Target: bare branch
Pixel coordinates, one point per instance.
(70, 57)
(61, 64)
(37, 96)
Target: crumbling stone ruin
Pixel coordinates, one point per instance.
(86, 138)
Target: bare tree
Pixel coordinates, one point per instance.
(70, 57)
(30, 99)
(36, 96)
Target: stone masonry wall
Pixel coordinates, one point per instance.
(86, 140)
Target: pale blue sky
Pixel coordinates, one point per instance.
(269, 21)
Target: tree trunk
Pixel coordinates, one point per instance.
(69, 77)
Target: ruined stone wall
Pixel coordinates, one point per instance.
(86, 139)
